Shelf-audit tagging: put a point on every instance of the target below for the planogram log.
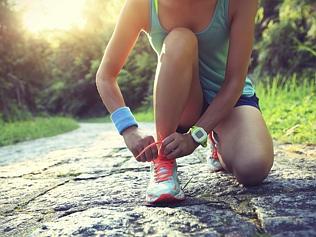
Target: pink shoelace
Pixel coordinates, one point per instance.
(214, 148)
(147, 147)
(163, 167)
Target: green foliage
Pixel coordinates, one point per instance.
(145, 116)
(54, 73)
(21, 73)
(289, 109)
(71, 89)
(14, 132)
(142, 115)
(137, 78)
(103, 119)
(287, 39)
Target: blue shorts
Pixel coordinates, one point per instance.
(243, 100)
(251, 101)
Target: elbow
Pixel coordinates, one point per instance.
(107, 72)
(99, 77)
(104, 75)
(102, 78)
(101, 81)
(98, 82)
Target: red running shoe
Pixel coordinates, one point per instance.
(213, 162)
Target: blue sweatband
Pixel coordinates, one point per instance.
(123, 119)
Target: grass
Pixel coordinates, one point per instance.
(142, 115)
(145, 116)
(289, 110)
(14, 132)
(105, 119)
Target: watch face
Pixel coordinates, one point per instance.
(199, 134)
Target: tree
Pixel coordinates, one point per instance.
(288, 40)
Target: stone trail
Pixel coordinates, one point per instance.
(85, 183)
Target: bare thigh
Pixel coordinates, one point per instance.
(245, 145)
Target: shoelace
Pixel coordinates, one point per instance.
(163, 167)
(147, 147)
(167, 165)
(214, 149)
(214, 153)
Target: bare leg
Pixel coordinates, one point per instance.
(178, 101)
(178, 97)
(245, 145)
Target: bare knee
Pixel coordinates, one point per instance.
(251, 170)
(180, 42)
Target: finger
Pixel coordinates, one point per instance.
(169, 139)
(134, 152)
(171, 147)
(143, 156)
(165, 142)
(140, 158)
(153, 150)
(174, 154)
(148, 155)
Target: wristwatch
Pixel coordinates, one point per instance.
(199, 135)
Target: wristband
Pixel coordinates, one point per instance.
(123, 119)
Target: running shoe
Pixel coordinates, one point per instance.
(164, 186)
(213, 162)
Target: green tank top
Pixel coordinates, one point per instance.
(213, 44)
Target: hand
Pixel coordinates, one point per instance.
(177, 145)
(136, 141)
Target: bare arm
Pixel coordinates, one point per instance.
(240, 48)
(133, 19)
(126, 32)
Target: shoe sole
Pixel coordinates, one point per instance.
(213, 168)
(216, 170)
(167, 198)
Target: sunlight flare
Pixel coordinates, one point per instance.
(41, 15)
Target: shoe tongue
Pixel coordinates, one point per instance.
(164, 168)
(161, 158)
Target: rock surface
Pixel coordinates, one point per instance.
(86, 183)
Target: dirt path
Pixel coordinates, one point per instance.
(85, 183)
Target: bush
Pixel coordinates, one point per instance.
(288, 42)
(137, 78)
